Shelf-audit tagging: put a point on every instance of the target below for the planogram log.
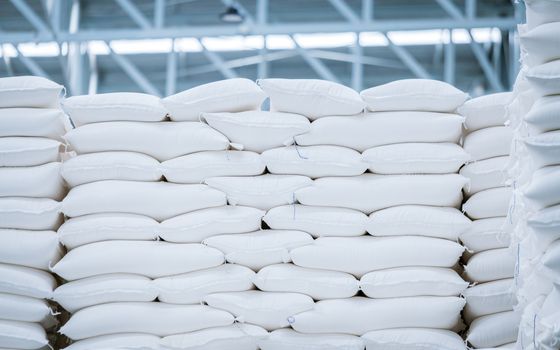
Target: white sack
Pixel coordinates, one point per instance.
(359, 315)
(416, 158)
(370, 192)
(29, 91)
(159, 200)
(551, 261)
(196, 226)
(258, 130)
(413, 339)
(22, 308)
(92, 228)
(26, 281)
(383, 128)
(545, 225)
(485, 234)
(494, 330)
(545, 78)
(489, 203)
(138, 317)
(150, 259)
(30, 213)
(37, 122)
(37, 249)
(318, 284)
(36, 181)
(485, 111)
(489, 298)
(485, 174)
(262, 192)
(312, 98)
(490, 265)
(316, 220)
(265, 309)
(117, 341)
(543, 115)
(414, 95)
(162, 140)
(102, 289)
(192, 287)
(418, 220)
(28, 151)
(22, 335)
(115, 106)
(101, 166)
(314, 161)
(197, 167)
(261, 248)
(234, 337)
(288, 339)
(360, 255)
(544, 188)
(544, 149)
(541, 44)
(230, 95)
(541, 11)
(488, 143)
(412, 281)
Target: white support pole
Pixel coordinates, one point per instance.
(449, 59)
(368, 11)
(159, 13)
(171, 74)
(134, 13)
(357, 66)
(75, 59)
(470, 9)
(93, 83)
(262, 19)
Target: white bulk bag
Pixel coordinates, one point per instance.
(359, 315)
(360, 255)
(163, 140)
(545, 225)
(544, 149)
(26, 281)
(416, 158)
(543, 115)
(142, 317)
(493, 330)
(102, 289)
(489, 142)
(370, 192)
(262, 192)
(312, 98)
(541, 44)
(115, 106)
(101, 166)
(288, 339)
(418, 220)
(490, 265)
(37, 249)
(37, 122)
(234, 337)
(230, 95)
(412, 281)
(22, 308)
(261, 248)
(545, 78)
(28, 151)
(117, 341)
(159, 200)
(318, 284)
(197, 167)
(485, 111)
(489, 298)
(383, 128)
(314, 161)
(150, 259)
(489, 203)
(35, 181)
(258, 130)
(92, 228)
(485, 174)
(413, 339)
(192, 287)
(485, 234)
(29, 91)
(265, 309)
(551, 261)
(544, 188)
(22, 335)
(30, 213)
(414, 95)
(317, 221)
(196, 226)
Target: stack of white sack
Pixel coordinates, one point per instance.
(31, 127)
(536, 172)
(491, 265)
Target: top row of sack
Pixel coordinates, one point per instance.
(309, 97)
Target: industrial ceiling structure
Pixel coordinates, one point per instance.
(165, 46)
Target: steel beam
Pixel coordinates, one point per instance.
(357, 67)
(319, 67)
(217, 61)
(409, 60)
(346, 57)
(368, 11)
(134, 73)
(342, 7)
(93, 82)
(449, 60)
(75, 58)
(134, 13)
(159, 13)
(262, 18)
(30, 15)
(171, 73)
(30, 64)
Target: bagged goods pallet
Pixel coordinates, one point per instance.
(31, 127)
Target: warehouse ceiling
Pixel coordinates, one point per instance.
(165, 46)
